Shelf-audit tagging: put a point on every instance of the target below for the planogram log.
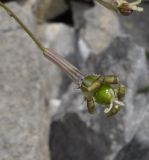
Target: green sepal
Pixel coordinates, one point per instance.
(87, 82)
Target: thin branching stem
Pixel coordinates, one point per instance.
(67, 67)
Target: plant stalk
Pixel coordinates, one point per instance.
(66, 66)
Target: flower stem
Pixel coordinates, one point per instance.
(67, 67)
(12, 14)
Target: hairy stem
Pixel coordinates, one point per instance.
(67, 67)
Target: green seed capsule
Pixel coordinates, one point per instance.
(104, 95)
(105, 90)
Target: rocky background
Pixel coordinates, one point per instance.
(42, 114)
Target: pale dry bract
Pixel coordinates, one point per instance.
(124, 7)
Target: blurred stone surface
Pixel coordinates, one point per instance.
(49, 9)
(100, 28)
(58, 37)
(134, 150)
(137, 26)
(78, 10)
(26, 82)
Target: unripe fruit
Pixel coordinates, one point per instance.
(104, 95)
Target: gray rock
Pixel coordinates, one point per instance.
(100, 28)
(136, 25)
(25, 85)
(49, 9)
(134, 150)
(59, 37)
(78, 10)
